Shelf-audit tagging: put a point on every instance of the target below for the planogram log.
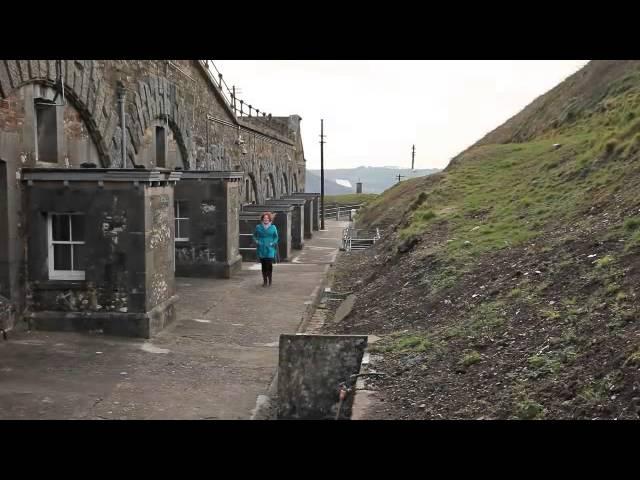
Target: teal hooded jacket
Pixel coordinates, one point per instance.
(267, 240)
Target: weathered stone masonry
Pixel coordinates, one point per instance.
(175, 118)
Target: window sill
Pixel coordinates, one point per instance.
(60, 285)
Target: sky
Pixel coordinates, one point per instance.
(375, 110)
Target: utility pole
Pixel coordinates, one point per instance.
(413, 157)
(322, 142)
(399, 177)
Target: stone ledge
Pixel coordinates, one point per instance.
(214, 269)
(141, 325)
(100, 174)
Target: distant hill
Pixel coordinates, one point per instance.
(312, 184)
(374, 179)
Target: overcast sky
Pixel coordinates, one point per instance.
(375, 110)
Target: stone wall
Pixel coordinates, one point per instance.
(177, 96)
(171, 106)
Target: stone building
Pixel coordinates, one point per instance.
(91, 156)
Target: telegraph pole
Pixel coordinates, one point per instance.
(413, 157)
(399, 177)
(322, 142)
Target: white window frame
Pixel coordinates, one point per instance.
(178, 218)
(62, 274)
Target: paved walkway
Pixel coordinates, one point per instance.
(212, 363)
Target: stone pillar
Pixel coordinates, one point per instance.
(317, 212)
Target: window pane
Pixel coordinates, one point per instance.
(77, 227)
(62, 257)
(177, 229)
(184, 228)
(79, 257)
(184, 209)
(60, 227)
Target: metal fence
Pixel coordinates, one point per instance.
(358, 239)
(341, 212)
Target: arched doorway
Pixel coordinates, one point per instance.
(164, 146)
(247, 191)
(271, 187)
(254, 188)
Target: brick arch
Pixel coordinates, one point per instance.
(155, 98)
(81, 82)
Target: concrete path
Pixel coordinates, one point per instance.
(212, 363)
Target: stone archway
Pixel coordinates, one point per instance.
(271, 187)
(70, 110)
(254, 187)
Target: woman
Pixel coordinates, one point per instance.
(266, 238)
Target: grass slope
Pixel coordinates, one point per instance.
(507, 285)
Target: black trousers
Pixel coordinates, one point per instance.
(267, 267)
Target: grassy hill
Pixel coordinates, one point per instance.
(506, 285)
(350, 198)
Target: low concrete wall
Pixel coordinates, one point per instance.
(311, 371)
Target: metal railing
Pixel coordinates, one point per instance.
(247, 248)
(240, 107)
(345, 212)
(354, 239)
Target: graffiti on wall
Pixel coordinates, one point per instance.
(208, 217)
(159, 289)
(195, 254)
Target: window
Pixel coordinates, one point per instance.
(66, 246)
(46, 131)
(182, 221)
(161, 147)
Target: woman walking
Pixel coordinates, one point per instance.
(266, 238)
